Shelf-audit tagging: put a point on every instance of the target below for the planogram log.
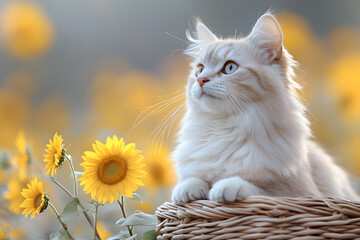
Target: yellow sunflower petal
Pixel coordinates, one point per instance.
(112, 169)
(34, 199)
(54, 156)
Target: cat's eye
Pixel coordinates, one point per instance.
(229, 67)
(199, 69)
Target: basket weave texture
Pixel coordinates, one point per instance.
(260, 217)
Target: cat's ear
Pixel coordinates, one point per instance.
(202, 35)
(203, 32)
(266, 35)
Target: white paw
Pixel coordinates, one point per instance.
(189, 190)
(232, 189)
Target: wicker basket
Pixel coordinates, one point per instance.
(261, 217)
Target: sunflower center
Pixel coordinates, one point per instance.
(157, 172)
(38, 201)
(111, 170)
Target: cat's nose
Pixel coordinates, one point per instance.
(202, 81)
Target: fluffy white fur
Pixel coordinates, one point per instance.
(246, 133)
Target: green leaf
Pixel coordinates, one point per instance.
(122, 235)
(121, 222)
(70, 209)
(77, 175)
(55, 236)
(64, 234)
(136, 197)
(150, 235)
(138, 219)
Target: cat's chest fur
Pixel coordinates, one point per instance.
(248, 146)
(212, 149)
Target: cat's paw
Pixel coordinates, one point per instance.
(189, 190)
(232, 189)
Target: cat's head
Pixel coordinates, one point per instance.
(229, 74)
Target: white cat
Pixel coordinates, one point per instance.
(245, 131)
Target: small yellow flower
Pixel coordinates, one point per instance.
(14, 194)
(111, 170)
(55, 154)
(103, 231)
(22, 159)
(35, 199)
(160, 169)
(26, 29)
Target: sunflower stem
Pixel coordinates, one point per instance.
(65, 227)
(89, 220)
(68, 158)
(95, 229)
(122, 207)
(80, 205)
(62, 187)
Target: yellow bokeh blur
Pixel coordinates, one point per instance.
(26, 29)
(344, 84)
(143, 106)
(160, 169)
(8, 231)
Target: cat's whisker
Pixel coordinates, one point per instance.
(177, 38)
(235, 106)
(174, 119)
(180, 90)
(224, 100)
(158, 107)
(243, 96)
(240, 95)
(239, 102)
(167, 127)
(175, 50)
(231, 97)
(161, 124)
(161, 127)
(228, 105)
(166, 124)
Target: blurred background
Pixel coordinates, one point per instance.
(88, 69)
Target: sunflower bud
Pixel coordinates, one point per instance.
(46, 203)
(4, 160)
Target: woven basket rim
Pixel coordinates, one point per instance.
(270, 206)
(260, 217)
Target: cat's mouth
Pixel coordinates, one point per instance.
(206, 94)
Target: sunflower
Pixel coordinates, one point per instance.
(111, 170)
(13, 195)
(35, 199)
(55, 154)
(22, 159)
(160, 169)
